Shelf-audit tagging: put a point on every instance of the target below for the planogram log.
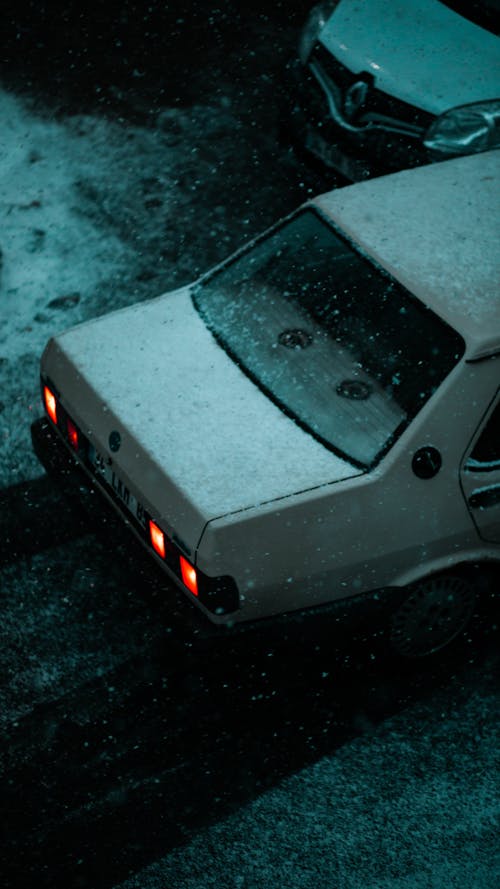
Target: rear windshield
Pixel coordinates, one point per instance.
(334, 341)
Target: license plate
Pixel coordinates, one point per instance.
(330, 155)
(106, 473)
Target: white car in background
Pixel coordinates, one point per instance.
(316, 418)
(382, 86)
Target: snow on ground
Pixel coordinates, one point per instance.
(413, 805)
(54, 256)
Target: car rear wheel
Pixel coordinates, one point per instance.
(435, 611)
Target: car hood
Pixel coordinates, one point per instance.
(422, 53)
(199, 439)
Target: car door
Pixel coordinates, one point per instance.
(480, 475)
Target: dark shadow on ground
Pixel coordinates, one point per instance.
(122, 771)
(34, 516)
(165, 53)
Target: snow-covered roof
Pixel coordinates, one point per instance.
(437, 230)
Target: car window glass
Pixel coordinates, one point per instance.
(336, 342)
(486, 452)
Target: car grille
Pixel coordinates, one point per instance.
(378, 106)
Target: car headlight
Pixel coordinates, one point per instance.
(315, 23)
(465, 130)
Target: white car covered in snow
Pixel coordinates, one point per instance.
(317, 417)
(382, 86)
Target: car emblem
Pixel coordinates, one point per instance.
(354, 97)
(115, 441)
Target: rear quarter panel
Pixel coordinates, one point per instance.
(384, 528)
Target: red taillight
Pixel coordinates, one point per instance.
(50, 404)
(72, 434)
(188, 574)
(157, 538)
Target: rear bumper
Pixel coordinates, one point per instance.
(217, 596)
(183, 620)
(336, 625)
(70, 477)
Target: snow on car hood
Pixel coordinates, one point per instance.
(205, 441)
(422, 53)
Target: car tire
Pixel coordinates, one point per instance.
(435, 611)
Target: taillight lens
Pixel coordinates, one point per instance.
(72, 434)
(218, 594)
(50, 403)
(157, 538)
(188, 574)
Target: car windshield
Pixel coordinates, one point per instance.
(338, 344)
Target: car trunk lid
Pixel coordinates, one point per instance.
(197, 438)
